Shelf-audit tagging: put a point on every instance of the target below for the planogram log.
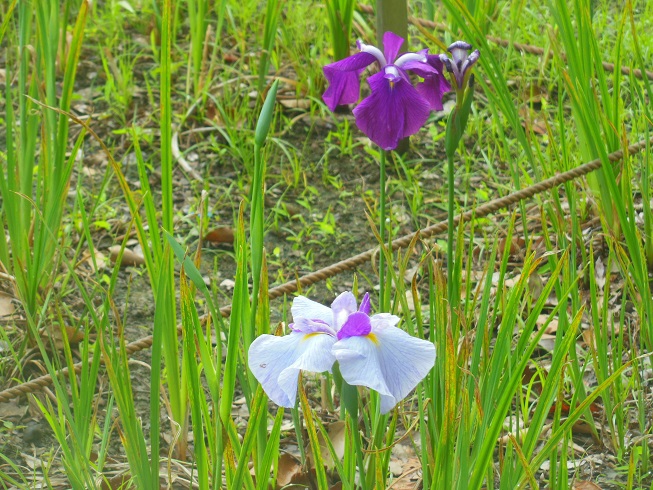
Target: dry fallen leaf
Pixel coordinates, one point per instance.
(12, 409)
(129, 258)
(6, 304)
(118, 481)
(585, 485)
(52, 335)
(290, 468)
(336, 433)
(221, 234)
(296, 103)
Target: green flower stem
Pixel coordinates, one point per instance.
(451, 267)
(349, 399)
(382, 267)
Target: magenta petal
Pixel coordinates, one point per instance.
(343, 77)
(358, 324)
(435, 84)
(419, 67)
(391, 46)
(432, 89)
(391, 112)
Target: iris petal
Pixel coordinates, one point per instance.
(268, 357)
(358, 324)
(314, 355)
(384, 320)
(344, 82)
(388, 360)
(391, 112)
(343, 306)
(435, 84)
(358, 358)
(276, 362)
(308, 326)
(302, 307)
(365, 306)
(391, 46)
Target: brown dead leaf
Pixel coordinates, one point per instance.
(336, 434)
(411, 476)
(221, 234)
(547, 342)
(290, 472)
(585, 485)
(589, 339)
(6, 305)
(535, 94)
(53, 335)
(119, 481)
(87, 260)
(599, 273)
(129, 257)
(535, 124)
(293, 103)
(12, 409)
(517, 246)
(549, 328)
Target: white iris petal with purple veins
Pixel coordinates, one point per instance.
(276, 361)
(371, 351)
(395, 109)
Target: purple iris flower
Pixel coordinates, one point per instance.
(460, 62)
(395, 109)
(370, 350)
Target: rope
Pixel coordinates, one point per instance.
(524, 48)
(353, 262)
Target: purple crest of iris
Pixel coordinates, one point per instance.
(395, 109)
(370, 350)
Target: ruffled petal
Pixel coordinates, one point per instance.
(405, 361)
(383, 320)
(435, 83)
(302, 307)
(276, 362)
(343, 306)
(344, 79)
(308, 326)
(393, 110)
(358, 358)
(388, 360)
(358, 324)
(314, 355)
(268, 356)
(391, 46)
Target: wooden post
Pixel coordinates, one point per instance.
(391, 15)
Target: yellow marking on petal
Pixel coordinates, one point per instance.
(373, 338)
(392, 84)
(308, 335)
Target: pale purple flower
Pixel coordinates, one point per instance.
(395, 109)
(460, 62)
(370, 350)
(276, 361)
(373, 352)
